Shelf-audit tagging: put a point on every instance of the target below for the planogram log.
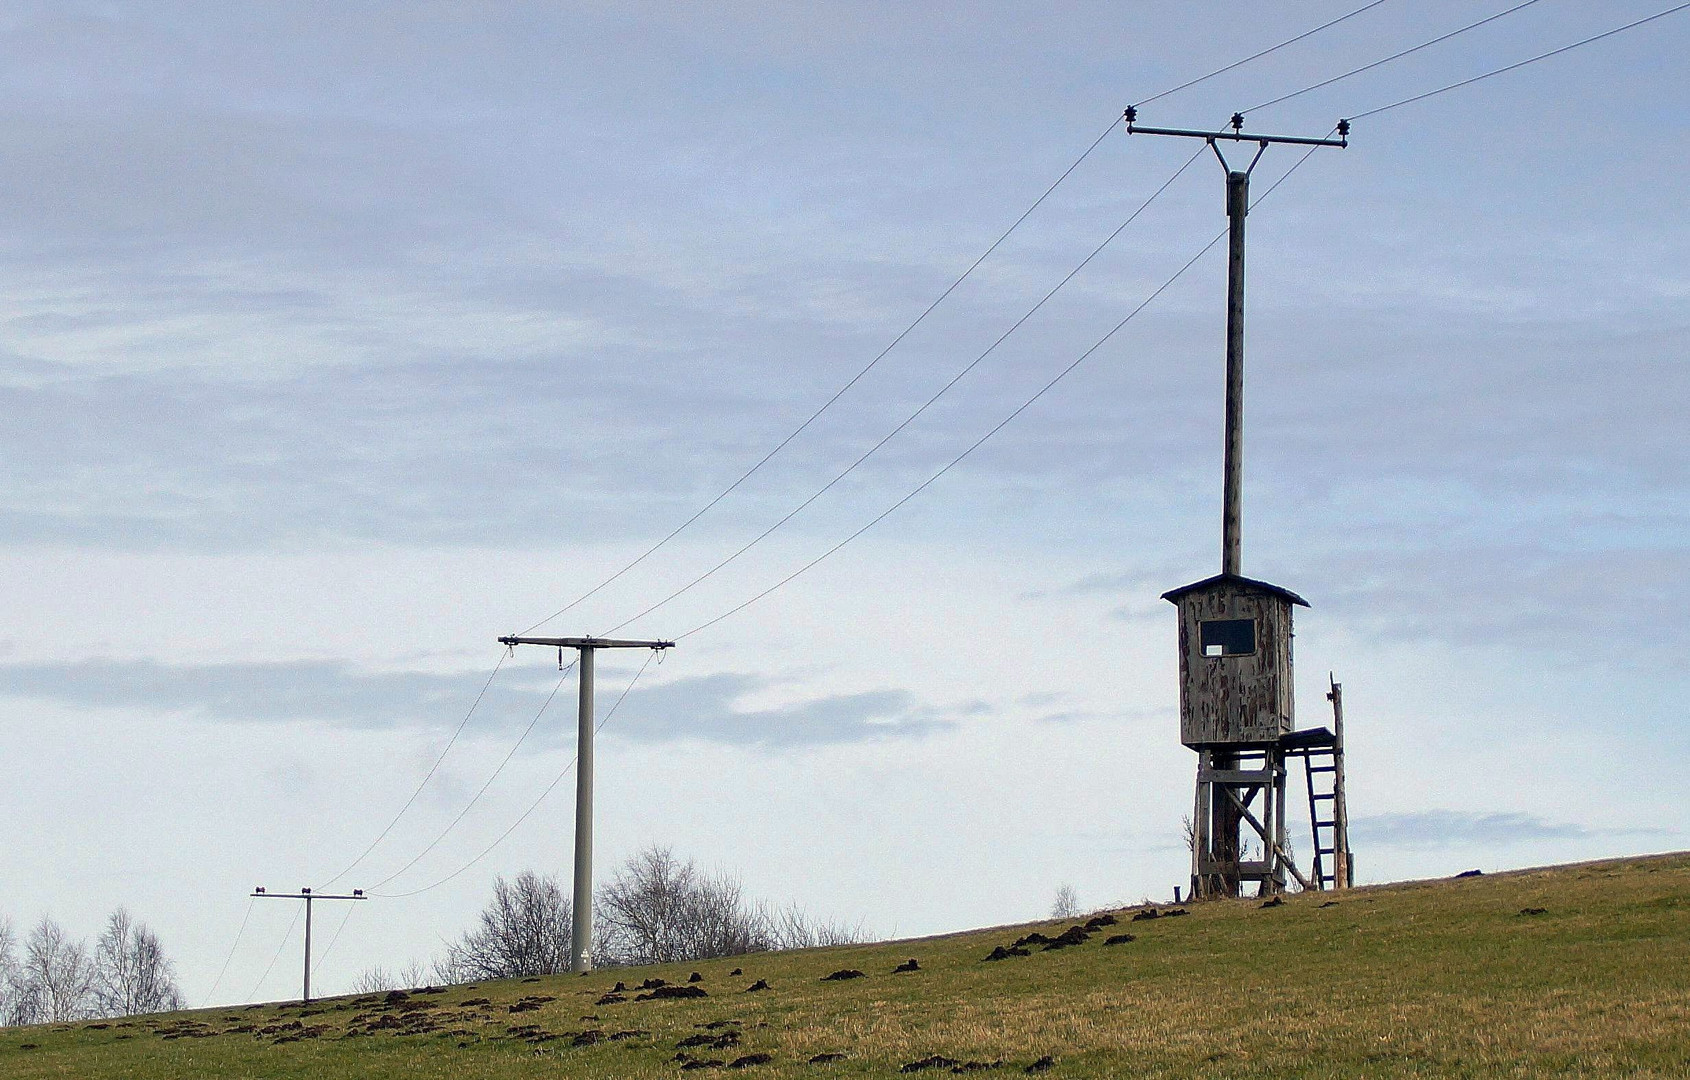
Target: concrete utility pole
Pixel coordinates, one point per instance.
(581, 912)
(1237, 207)
(307, 895)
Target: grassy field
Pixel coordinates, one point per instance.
(1567, 971)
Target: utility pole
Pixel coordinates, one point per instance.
(1214, 719)
(1237, 207)
(581, 911)
(307, 895)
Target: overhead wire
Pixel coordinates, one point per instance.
(535, 805)
(344, 919)
(707, 574)
(1257, 56)
(432, 769)
(923, 407)
(1522, 63)
(919, 319)
(489, 783)
(837, 394)
(1000, 425)
(1285, 97)
(253, 993)
(224, 970)
(1393, 57)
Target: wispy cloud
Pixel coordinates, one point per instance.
(330, 692)
(1458, 828)
(706, 709)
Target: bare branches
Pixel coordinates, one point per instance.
(1067, 903)
(524, 931)
(56, 976)
(131, 973)
(657, 909)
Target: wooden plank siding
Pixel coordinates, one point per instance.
(1239, 699)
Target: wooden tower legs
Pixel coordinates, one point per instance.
(1239, 790)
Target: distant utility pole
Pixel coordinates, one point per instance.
(581, 913)
(307, 895)
(1237, 206)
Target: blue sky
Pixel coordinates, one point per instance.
(340, 340)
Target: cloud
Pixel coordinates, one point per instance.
(1456, 829)
(329, 692)
(342, 694)
(704, 708)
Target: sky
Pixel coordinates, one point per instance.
(338, 340)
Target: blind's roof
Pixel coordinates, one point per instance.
(1233, 581)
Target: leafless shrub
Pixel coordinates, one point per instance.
(415, 973)
(1067, 902)
(657, 909)
(791, 928)
(373, 980)
(523, 931)
(131, 974)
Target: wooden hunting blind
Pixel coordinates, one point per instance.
(1234, 661)
(1236, 688)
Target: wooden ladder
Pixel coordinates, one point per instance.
(1323, 768)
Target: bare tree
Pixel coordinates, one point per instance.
(131, 974)
(657, 909)
(524, 931)
(1067, 903)
(378, 979)
(373, 980)
(791, 928)
(57, 976)
(414, 973)
(11, 977)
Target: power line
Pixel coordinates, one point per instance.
(977, 360)
(1522, 63)
(923, 407)
(952, 287)
(1023, 407)
(344, 919)
(279, 948)
(837, 394)
(1394, 56)
(477, 798)
(488, 850)
(476, 704)
(1258, 56)
(1373, 112)
(224, 970)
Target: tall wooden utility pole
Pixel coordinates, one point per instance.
(307, 895)
(581, 912)
(1237, 208)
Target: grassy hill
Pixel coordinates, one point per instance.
(1567, 971)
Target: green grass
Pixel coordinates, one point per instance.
(1440, 978)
